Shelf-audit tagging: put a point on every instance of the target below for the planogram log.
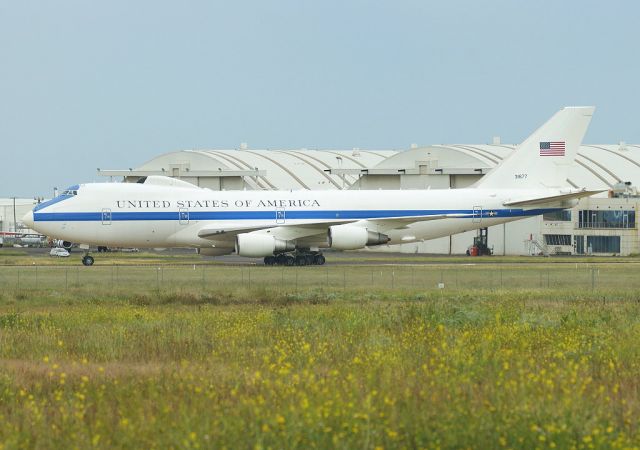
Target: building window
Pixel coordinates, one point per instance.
(563, 215)
(606, 219)
(557, 239)
(603, 244)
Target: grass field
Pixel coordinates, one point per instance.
(158, 356)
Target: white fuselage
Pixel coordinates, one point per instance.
(137, 215)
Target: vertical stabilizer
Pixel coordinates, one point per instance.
(543, 159)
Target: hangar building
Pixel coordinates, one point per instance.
(11, 212)
(604, 224)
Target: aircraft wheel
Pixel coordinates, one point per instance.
(290, 261)
(87, 260)
(319, 260)
(301, 260)
(269, 260)
(281, 260)
(309, 260)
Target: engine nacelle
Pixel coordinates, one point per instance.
(349, 237)
(258, 245)
(60, 243)
(215, 251)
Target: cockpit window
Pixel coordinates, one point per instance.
(70, 191)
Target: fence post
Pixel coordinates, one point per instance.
(548, 284)
(344, 279)
(540, 283)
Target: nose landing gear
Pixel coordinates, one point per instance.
(87, 260)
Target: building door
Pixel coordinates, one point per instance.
(578, 245)
(183, 214)
(106, 216)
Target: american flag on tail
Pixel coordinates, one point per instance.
(553, 148)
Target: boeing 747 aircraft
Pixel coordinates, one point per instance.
(291, 227)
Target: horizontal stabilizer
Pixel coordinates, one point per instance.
(534, 201)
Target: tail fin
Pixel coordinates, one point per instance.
(543, 159)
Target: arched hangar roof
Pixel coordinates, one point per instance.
(279, 169)
(598, 166)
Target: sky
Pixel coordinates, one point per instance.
(111, 84)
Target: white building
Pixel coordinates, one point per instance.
(11, 212)
(605, 224)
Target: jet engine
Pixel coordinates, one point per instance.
(214, 251)
(60, 243)
(258, 245)
(349, 237)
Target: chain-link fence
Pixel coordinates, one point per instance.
(378, 277)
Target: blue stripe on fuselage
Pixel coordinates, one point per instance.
(289, 215)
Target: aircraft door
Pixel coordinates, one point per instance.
(280, 216)
(477, 214)
(106, 216)
(183, 215)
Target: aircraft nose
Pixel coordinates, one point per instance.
(28, 219)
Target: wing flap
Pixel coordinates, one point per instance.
(390, 223)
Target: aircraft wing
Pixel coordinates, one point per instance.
(535, 201)
(298, 231)
(292, 231)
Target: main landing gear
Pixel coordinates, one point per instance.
(87, 260)
(295, 259)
